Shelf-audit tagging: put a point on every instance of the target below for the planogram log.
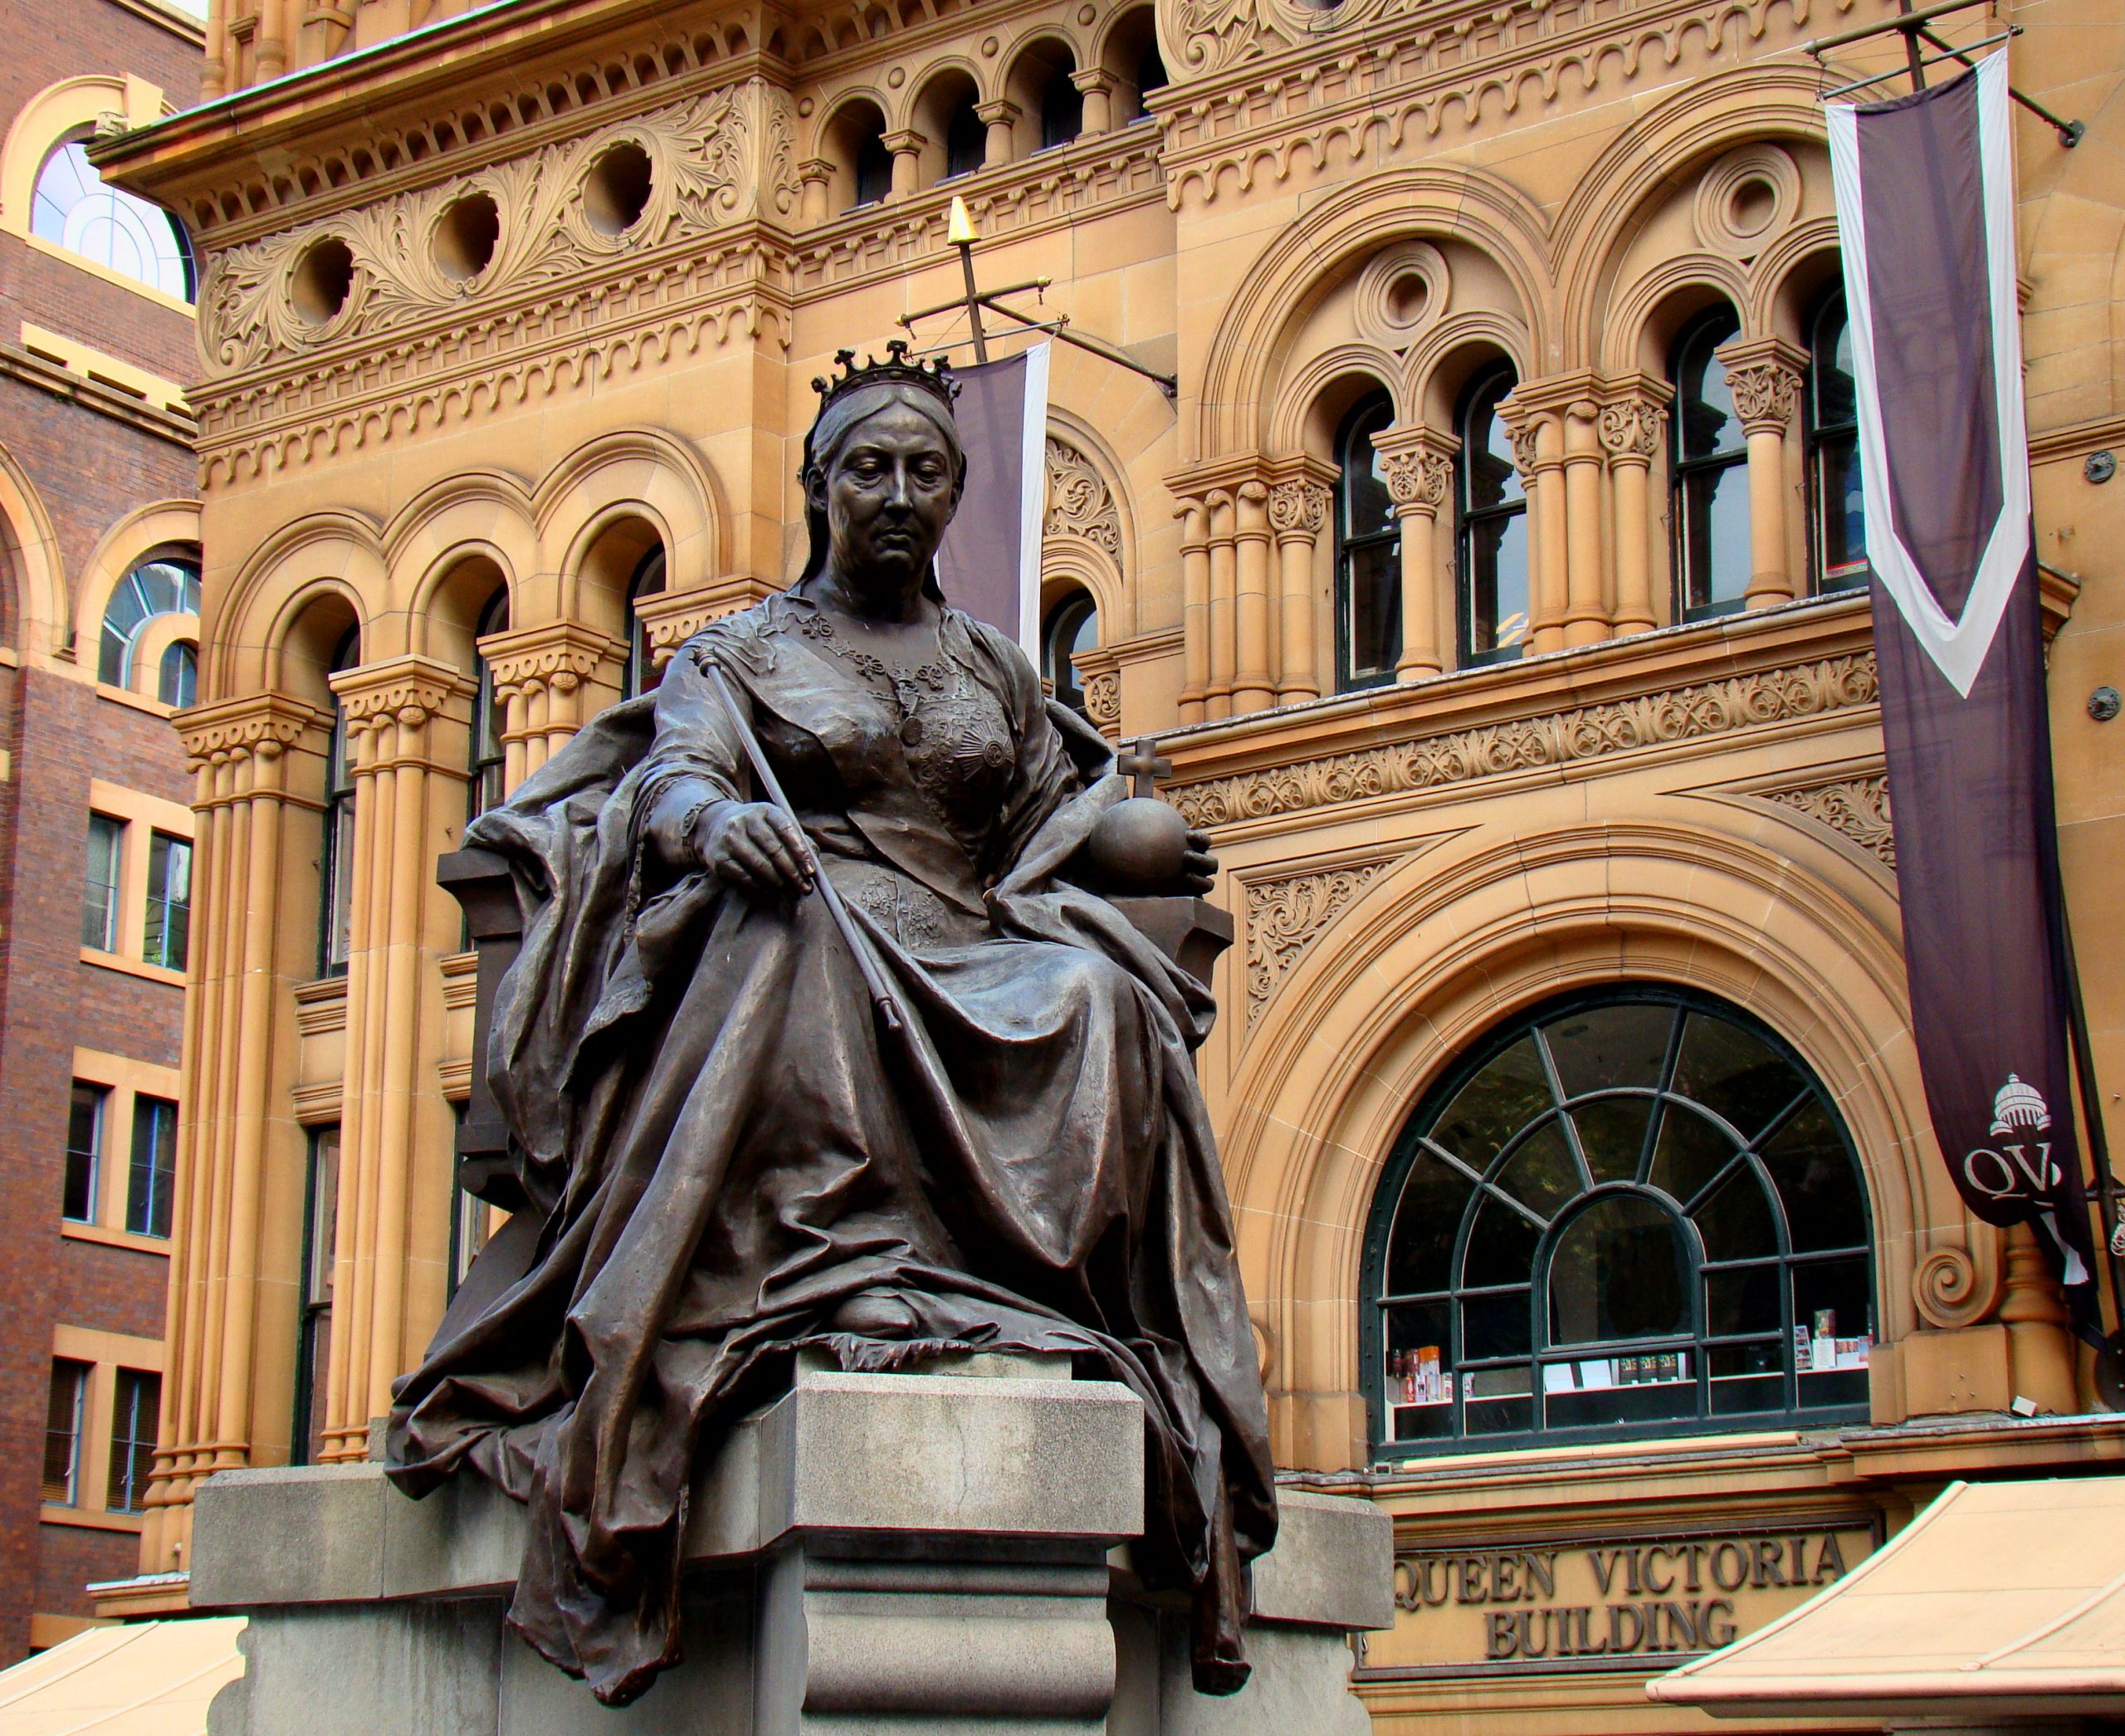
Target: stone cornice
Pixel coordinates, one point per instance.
(263, 724)
(409, 690)
(1649, 692)
(557, 654)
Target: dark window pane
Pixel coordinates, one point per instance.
(1612, 1134)
(1746, 1299)
(1836, 398)
(1542, 1173)
(874, 170)
(1416, 1369)
(1734, 1072)
(83, 1152)
(1690, 1153)
(1510, 1092)
(1832, 1298)
(169, 901)
(1489, 476)
(151, 1177)
(1597, 1390)
(1841, 512)
(1619, 1270)
(1495, 562)
(1062, 109)
(1421, 1247)
(177, 683)
(1072, 626)
(1498, 1403)
(1368, 507)
(134, 1414)
(1608, 1046)
(99, 891)
(1818, 1181)
(1501, 1246)
(1747, 1377)
(1736, 1222)
(1372, 609)
(62, 1433)
(1708, 424)
(1716, 535)
(966, 141)
(1495, 1326)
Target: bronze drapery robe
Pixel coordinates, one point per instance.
(720, 1149)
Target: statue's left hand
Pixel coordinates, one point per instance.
(1198, 868)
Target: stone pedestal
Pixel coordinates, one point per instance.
(944, 1554)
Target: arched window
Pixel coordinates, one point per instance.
(1711, 475)
(1072, 626)
(1839, 517)
(1368, 563)
(74, 208)
(1491, 553)
(1062, 103)
(485, 789)
(166, 586)
(874, 167)
(648, 579)
(336, 881)
(176, 682)
(966, 140)
(1630, 1211)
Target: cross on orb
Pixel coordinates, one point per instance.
(1143, 766)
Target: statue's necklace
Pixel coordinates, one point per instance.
(905, 685)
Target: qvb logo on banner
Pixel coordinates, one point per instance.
(1925, 206)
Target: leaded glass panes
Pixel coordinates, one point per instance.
(1632, 1210)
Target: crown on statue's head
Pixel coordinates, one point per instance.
(895, 370)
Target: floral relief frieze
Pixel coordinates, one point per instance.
(1533, 744)
(714, 160)
(1286, 914)
(1855, 809)
(1079, 503)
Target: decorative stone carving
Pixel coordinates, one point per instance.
(1401, 293)
(1652, 720)
(1633, 428)
(1299, 507)
(265, 727)
(1951, 1289)
(1767, 394)
(1523, 435)
(714, 159)
(1417, 477)
(1854, 807)
(1286, 915)
(1746, 199)
(407, 690)
(1103, 699)
(1079, 503)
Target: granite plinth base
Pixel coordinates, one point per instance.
(943, 1554)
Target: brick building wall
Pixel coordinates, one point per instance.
(96, 473)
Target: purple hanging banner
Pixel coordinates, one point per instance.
(989, 564)
(1924, 207)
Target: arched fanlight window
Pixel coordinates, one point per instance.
(485, 789)
(1635, 1210)
(176, 681)
(1368, 553)
(167, 585)
(73, 208)
(1839, 517)
(1491, 546)
(1072, 626)
(336, 868)
(1710, 482)
(648, 579)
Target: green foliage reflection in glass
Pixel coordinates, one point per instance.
(1635, 1211)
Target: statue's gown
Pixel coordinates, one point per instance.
(720, 1147)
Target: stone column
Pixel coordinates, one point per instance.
(1224, 585)
(2039, 1339)
(1632, 430)
(1253, 681)
(272, 44)
(1194, 514)
(1096, 86)
(906, 147)
(1586, 612)
(1420, 467)
(1538, 455)
(551, 680)
(1298, 513)
(1001, 117)
(405, 726)
(816, 174)
(240, 754)
(1765, 375)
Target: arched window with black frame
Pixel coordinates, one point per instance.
(164, 584)
(1491, 544)
(1711, 475)
(647, 580)
(1630, 1211)
(1368, 553)
(484, 790)
(1072, 626)
(336, 889)
(1837, 515)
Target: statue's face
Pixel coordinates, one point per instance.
(888, 496)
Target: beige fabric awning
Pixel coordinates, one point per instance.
(148, 1678)
(2000, 1599)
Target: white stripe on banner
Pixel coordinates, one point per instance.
(1958, 648)
(1033, 501)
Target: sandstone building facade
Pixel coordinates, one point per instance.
(1488, 579)
(99, 545)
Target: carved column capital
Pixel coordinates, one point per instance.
(1765, 375)
(1298, 507)
(559, 655)
(1632, 429)
(408, 690)
(263, 725)
(1417, 464)
(999, 112)
(1524, 425)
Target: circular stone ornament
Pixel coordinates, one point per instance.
(1402, 293)
(1746, 199)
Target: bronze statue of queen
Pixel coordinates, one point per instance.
(729, 1155)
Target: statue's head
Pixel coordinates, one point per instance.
(883, 469)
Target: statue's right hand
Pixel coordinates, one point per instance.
(754, 846)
